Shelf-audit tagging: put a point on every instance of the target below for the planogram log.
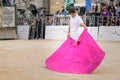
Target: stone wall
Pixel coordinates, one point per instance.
(0, 13)
(21, 5)
(57, 5)
(0, 16)
(37, 3)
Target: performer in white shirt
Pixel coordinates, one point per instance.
(79, 53)
(75, 23)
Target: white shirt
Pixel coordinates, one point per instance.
(74, 27)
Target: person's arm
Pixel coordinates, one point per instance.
(68, 34)
(83, 25)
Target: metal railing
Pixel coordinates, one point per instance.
(102, 21)
(90, 21)
(37, 26)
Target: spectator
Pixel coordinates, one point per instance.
(48, 21)
(118, 10)
(97, 11)
(39, 25)
(97, 8)
(91, 11)
(25, 22)
(91, 14)
(108, 22)
(111, 13)
(113, 21)
(112, 8)
(105, 13)
(56, 17)
(64, 12)
(52, 21)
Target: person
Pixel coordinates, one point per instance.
(79, 53)
(75, 22)
(56, 17)
(97, 12)
(105, 15)
(64, 12)
(6, 3)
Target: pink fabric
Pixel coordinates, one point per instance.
(81, 57)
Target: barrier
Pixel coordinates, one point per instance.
(7, 23)
(23, 31)
(7, 33)
(56, 32)
(109, 33)
(60, 32)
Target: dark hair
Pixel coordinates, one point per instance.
(72, 10)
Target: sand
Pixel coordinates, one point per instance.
(24, 60)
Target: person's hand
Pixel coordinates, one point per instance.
(68, 35)
(83, 25)
(86, 28)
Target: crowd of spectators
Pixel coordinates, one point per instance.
(100, 14)
(106, 14)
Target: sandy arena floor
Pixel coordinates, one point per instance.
(24, 60)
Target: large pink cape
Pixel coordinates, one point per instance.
(81, 57)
